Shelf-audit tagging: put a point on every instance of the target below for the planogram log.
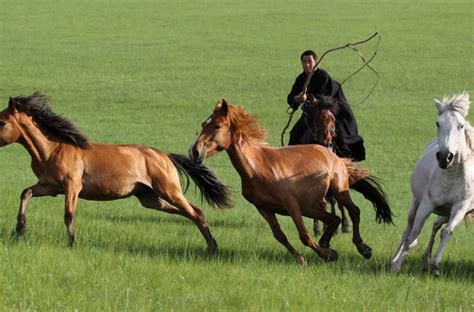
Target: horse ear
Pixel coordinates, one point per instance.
(439, 105)
(224, 107)
(11, 104)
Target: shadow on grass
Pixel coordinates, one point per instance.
(165, 218)
(459, 270)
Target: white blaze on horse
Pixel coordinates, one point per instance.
(443, 182)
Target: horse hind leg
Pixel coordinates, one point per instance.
(354, 213)
(149, 199)
(316, 227)
(345, 227)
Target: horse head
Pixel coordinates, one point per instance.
(323, 121)
(215, 134)
(454, 132)
(228, 125)
(9, 131)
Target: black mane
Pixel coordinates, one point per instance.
(327, 102)
(38, 108)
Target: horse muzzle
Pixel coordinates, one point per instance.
(445, 159)
(195, 155)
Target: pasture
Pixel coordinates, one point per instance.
(150, 72)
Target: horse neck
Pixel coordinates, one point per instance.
(38, 145)
(242, 155)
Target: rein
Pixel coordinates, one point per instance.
(365, 64)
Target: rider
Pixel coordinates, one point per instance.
(349, 143)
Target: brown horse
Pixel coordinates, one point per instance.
(66, 162)
(289, 180)
(321, 123)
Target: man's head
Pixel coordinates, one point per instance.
(308, 60)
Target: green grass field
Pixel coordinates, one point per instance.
(150, 72)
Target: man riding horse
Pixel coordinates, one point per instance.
(348, 142)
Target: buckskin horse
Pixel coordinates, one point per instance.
(289, 180)
(66, 162)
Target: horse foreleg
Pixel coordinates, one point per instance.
(278, 233)
(71, 191)
(440, 220)
(325, 253)
(411, 219)
(424, 210)
(458, 212)
(36, 190)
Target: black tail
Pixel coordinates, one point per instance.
(372, 191)
(212, 189)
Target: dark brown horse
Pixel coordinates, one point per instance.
(289, 180)
(66, 162)
(320, 119)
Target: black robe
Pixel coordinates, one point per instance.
(348, 142)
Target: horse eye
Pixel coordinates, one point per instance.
(437, 124)
(217, 127)
(461, 127)
(2, 123)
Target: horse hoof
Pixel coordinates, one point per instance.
(317, 232)
(331, 256)
(20, 230)
(365, 251)
(212, 248)
(346, 229)
(300, 259)
(435, 271)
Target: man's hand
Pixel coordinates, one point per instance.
(300, 98)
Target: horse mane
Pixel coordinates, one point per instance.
(326, 102)
(245, 125)
(469, 130)
(458, 102)
(37, 107)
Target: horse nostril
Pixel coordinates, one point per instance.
(450, 157)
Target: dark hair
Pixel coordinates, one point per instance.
(308, 52)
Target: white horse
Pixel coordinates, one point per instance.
(443, 182)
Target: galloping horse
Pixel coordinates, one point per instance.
(321, 123)
(443, 182)
(289, 180)
(66, 162)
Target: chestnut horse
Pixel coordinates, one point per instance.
(321, 123)
(66, 162)
(289, 180)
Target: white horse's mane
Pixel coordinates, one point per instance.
(458, 102)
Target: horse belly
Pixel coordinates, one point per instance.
(107, 188)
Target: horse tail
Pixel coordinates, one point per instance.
(216, 193)
(361, 180)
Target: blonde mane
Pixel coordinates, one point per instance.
(245, 125)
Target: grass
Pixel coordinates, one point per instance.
(150, 72)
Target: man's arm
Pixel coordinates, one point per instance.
(295, 98)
